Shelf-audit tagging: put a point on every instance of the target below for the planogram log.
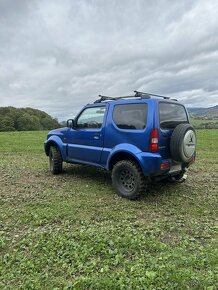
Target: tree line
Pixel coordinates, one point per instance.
(25, 119)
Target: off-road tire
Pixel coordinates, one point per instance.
(178, 144)
(128, 179)
(55, 160)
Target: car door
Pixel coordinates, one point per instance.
(86, 140)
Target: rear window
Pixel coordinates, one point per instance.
(171, 115)
(130, 116)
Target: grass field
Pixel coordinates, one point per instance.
(72, 231)
(197, 123)
(200, 121)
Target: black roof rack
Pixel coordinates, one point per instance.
(103, 98)
(106, 98)
(149, 94)
(137, 95)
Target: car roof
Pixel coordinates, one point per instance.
(130, 100)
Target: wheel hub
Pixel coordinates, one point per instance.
(127, 180)
(189, 144)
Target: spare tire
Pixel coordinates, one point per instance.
(183, 143)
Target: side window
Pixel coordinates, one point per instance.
(130, 116)
(91, 118)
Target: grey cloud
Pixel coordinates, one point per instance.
(59, 55)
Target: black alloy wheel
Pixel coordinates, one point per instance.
(128, 179)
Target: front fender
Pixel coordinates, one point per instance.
(55, 141)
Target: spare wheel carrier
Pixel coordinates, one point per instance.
(183, 143)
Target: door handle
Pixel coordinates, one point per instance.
(97, 136)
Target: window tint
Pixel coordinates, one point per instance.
(91, 118)
(131, 116)
(171, 115)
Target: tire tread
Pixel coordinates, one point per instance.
(57, 165)
(141, 178)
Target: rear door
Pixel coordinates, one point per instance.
(170, 115)
(87, 139)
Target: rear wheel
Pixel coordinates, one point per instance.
(55, 160)
(128, 179)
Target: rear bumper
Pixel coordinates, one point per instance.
(150, 162)
(153, 164)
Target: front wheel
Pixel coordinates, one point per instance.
(128, 179)
(55, 160)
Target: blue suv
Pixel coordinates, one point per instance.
(139, 138)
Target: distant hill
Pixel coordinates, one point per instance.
(204, 113)
(25, 119)
(204, 118)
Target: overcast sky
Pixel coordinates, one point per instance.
(59, 55)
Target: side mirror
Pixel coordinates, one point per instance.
(71, 123)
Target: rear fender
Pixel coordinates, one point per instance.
(149, 162)
(123, 148)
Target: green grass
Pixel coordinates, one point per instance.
(204, 124)
(200, 121)
(73, 232)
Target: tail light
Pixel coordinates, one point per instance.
(154, 141)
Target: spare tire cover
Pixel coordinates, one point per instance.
(183, 143)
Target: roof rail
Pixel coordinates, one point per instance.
(105, 98)
(138, 94)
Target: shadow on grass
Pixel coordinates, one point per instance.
(99, 176)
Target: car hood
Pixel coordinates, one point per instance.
(58, 132)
